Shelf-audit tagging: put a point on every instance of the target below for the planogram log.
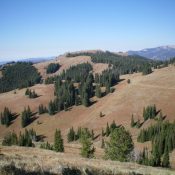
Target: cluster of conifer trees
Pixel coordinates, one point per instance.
(52, 68)
(42, 109)
(76, 135)
(18, 75)
(26, 117)
(58, 145)
(24, 139)
(30, 93)
(6, 117)
(71, 89)
(162, 136)
(149, 112)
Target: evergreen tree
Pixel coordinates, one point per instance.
(120, 145)
(26, 117)
(6, 117)
(113, 126)
(132, 121)
(165, 159)
(98, 91)
(102, 143)
(107, 130)
(86, 150)
(58, 142)
(51, 108)
(102, 132)
(71, 135)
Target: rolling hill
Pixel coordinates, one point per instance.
(127, 99)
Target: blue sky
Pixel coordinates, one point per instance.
(39, 28)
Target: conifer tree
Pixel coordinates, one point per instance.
(107, 130)
(98, 91)
(87, 150)
(71, 135)
(132, 121)
(120, 145)
(58, 142)
(165, 159)
(102, 143)
(102, 132)
(51, 108)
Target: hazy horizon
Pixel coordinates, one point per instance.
(31, 29)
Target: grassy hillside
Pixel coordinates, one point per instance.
(127, 99)
(37, 161)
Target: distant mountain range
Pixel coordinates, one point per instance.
(157, 53)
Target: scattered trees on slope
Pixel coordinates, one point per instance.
(162, 136)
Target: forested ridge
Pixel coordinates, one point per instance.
(18, 75)
(123, 64)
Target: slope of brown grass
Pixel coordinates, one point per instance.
(157, 88)
(66, 62)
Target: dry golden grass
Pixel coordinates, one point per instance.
(48, 161)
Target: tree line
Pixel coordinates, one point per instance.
(24, 139)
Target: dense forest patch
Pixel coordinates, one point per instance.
(52, 68)
(18, 75)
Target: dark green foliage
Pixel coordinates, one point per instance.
(120, 145)
(144, 158)
(123, 64)
(10, 139)
(26, 117)
(87, 150)
(162, 136)
(165, 159)
(27, 91)
(52, 68)
(138, 124)
(132, 121)
(58, 142)
(46, 146)
(51, 108)
(24, 139)
(146, 69)
(30, 93)
(71, 136)
(149, 112)
(98, 91)
(102, 143)
(42, 109)
(113, 126)
(74, 73)
(18, 75)
(107, 130)
(6, 117)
